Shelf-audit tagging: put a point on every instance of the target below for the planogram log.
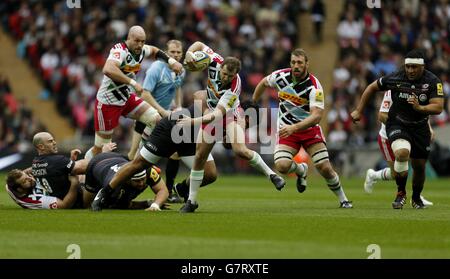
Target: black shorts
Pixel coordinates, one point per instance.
(418, 136)
(161, 144)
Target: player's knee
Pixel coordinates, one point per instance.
(401, 149)
(283, 166)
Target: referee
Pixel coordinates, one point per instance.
(416, 93)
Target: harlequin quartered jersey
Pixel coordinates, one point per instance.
(295, 98)
(226, 96)
(114, 93)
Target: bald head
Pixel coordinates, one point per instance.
(44, 143)
(136, 39)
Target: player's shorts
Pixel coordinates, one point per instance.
(106, 117)
(419, 136)
(385, 148)
(304, 138)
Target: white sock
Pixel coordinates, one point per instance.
(194, 184)
(335, 185)
(299, 169)
(88, 155)
(258, 163)
(384, 174)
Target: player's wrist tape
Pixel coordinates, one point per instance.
(133, 82)
(155, 206)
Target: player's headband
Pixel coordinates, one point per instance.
(139, 175)
(418, 61)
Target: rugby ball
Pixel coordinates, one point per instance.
(201, 61)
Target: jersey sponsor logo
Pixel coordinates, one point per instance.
(232, 101)
(285, 96)
(440, 89)
(425, 86)
(132, 69)
(403, 95)
(423, 97)
(154, 175)
(319, 96)
(386, 104)
(116, 55)
(53, 205)
(394, 132)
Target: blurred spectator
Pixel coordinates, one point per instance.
(318, 17)
(17, 123)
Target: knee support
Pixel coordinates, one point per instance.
(149, 117)
(320, 156)
(282, 155)
(400, 144)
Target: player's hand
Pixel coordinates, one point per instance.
(184, 121)
(414, 101)
(356, 116)
(138, 89)
(74, 154)
(109, 147)
(164, 113)
(153, 207)
(177, 67)
(166, 206)
(189, 57)
(287, 130)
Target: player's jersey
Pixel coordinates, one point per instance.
(295, 99)
(384, 107)
(52, 172)
(101, 171)
(426, 88)
(37, 199)
(226, 96)
(114, 93)
(162, 82)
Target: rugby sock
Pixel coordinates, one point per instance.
(194, 183)
(384, 174)
(171, 172)
(88, 155)
(335, 185)
(401, 183)
(299, 169)
(258, 163)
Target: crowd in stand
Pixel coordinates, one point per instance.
(372, 43)
(17, 123)
(69, 46)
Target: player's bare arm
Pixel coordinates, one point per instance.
(147, 96)
(435, 106)
(218, 112)
(310, 121)
(259, 89)
(161, 195)
(365, 97)
(111, 69)
(71, 196)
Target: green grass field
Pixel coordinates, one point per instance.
(240, 217)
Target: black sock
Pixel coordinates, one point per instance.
(401, 183)
(171, 172)
(183, 188)
(417, 190)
